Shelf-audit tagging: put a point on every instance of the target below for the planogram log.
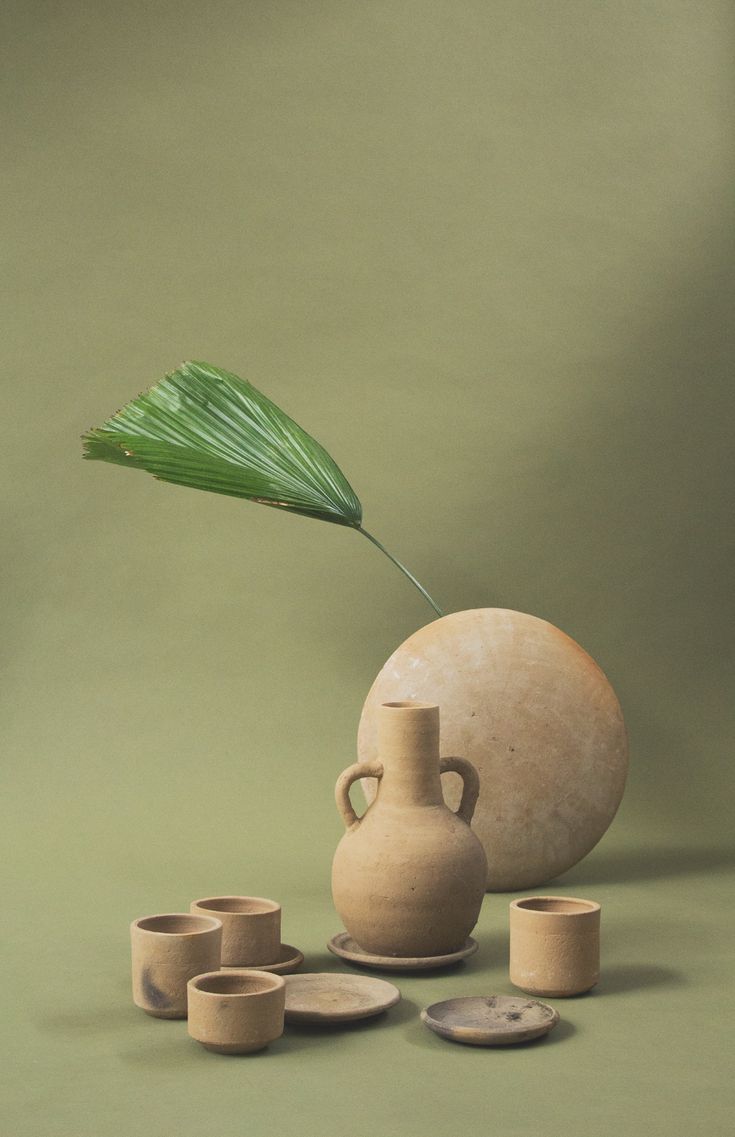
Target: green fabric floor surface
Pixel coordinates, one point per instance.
(648, 1051)
(482, 250)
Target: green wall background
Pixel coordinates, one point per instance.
(484, 252)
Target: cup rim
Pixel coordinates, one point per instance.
(269, 981)
(207, 924)
(268, 909)
(533, 906)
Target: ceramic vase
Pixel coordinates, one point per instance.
(408, 876)
(537, 717)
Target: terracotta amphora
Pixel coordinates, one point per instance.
(408, 876)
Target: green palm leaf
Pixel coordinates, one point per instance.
(208, 429)
(205, 428)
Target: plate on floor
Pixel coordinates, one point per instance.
(490, 1020)
(325, 997)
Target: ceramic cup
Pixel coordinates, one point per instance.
(236, 1012)
(554, 945)
(168, 951)
(251, 928)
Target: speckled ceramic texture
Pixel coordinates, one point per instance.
(536, 716)
(326, 998)
(493, 1020)
(251, 928)
(408, 877)
(236, 1011)
(167, 951)
(345, 947)
(289, 959)
(554, 945)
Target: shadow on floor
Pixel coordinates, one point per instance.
(642, 864)
(621, 977)
(92, 1020)
(321, 961)
(297, 1035)
(560, 1033)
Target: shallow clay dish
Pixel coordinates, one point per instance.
(290, 960)
(321, 997)
(345, 947)
(535, 715)
(493, 1020)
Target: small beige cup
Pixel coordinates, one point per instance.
(554, 945)
(168, 950)
(251, 928)
(236, 1012)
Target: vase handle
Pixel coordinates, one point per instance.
(342, 789)
(470, 788)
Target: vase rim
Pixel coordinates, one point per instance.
(410, 705)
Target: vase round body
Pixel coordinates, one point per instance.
(408, 877)
(535, 715)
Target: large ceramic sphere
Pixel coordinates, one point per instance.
(536, 716)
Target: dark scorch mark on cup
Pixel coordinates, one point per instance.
(152, 994)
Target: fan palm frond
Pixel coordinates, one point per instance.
(205, 428)
(208, 429)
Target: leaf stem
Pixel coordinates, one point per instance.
(403, 568)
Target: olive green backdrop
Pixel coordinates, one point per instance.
(483, 251)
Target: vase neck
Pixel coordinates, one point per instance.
(408, 747)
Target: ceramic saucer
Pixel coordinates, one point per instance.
(494, 1020)
(346, 948)
(290, 960)
(321, 997)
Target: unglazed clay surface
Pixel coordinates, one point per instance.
(251, 928)
(493, 1020)
(323, 997)
(345, 947)
(289, 959)
(236, 1011)
(554, 945)
(537, 717)
(168, 950)
(408, 877)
